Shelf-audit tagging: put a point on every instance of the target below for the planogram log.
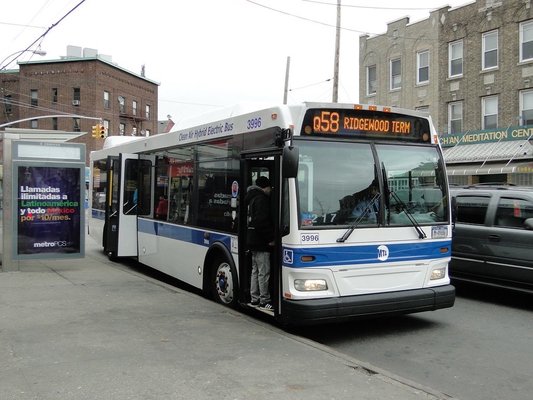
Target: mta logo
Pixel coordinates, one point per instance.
(383, 253)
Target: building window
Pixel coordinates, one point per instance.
(34, 123)
(54, 124)
(76, 94)
(526, 41)
(147, 132)
(489, 111)
(107, 103)
(395, 74)
(422, 67)
(134, 131)
(526, 107)
(54, 95)
(455, 117)
(121, 129)
(371, 80)
(455, 56)
(148, 112)
(106, 126)
(76, 125)
(490, 50)
(34, 97)
(134, 107)
(8, 104)
(122, 104)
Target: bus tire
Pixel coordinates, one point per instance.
(224, 282)
(112, 256)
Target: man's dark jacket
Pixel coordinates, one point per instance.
(260, 226)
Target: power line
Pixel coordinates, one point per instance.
(311, 84)
(22, 25)
(334, 26)
(190, 103)
(45, 33)
(303, 18)
(372, 7)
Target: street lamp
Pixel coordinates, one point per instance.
(39, 52)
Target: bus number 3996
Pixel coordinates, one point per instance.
(254, 123)
(309, 238)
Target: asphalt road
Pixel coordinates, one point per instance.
(481, 349)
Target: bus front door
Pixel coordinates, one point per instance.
(253, 166)
(120, 230)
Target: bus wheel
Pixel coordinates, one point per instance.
(224, 283)
(112, 256)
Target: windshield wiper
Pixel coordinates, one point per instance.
(421, 233)
(366, 210)
(389, 193)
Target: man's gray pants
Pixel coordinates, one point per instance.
(260, 276)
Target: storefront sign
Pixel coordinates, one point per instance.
(487, 136)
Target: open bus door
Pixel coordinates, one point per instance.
(122, 205)
(252, 166)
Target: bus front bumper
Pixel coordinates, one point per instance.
(316, 311)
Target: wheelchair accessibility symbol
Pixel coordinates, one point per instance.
(287, 256)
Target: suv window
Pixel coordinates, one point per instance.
(472, 209)
(512, 212)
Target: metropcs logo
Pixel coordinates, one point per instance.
(383, 253)
(56, 243)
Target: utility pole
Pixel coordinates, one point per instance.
(336, 63)
(286, 91)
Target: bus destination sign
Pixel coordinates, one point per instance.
(365, 123)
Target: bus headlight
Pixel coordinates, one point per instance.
(307, 285)
(438, 273)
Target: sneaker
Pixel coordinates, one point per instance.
(254, 303)
(266, 306)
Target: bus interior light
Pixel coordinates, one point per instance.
(438, 273)
(308, 285)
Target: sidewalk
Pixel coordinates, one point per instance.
(93, 329)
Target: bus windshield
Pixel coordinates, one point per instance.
(339, 185)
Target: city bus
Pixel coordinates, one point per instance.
(175, 203)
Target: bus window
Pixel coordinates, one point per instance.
(215, 180)
(323, 198)
(137, 191)
(99, 177)
(414, 177)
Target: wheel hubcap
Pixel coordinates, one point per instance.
(224, 283)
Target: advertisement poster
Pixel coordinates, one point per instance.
(48, 208)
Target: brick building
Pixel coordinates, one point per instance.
(471, 68)
(90, 86)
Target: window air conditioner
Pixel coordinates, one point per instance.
(75, 102)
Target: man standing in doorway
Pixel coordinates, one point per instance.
(260, 240)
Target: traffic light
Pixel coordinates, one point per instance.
(95, 131)
(102, 131)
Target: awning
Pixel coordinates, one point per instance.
(490, 169)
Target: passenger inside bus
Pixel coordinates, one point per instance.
(162, 208)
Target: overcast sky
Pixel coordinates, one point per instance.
(207, 54)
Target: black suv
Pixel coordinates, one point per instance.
(493, 236)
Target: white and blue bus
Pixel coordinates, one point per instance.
(174, 202)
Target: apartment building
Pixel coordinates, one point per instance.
(471, 68)
(82, 84)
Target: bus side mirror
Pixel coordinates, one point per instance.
(289, 164)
